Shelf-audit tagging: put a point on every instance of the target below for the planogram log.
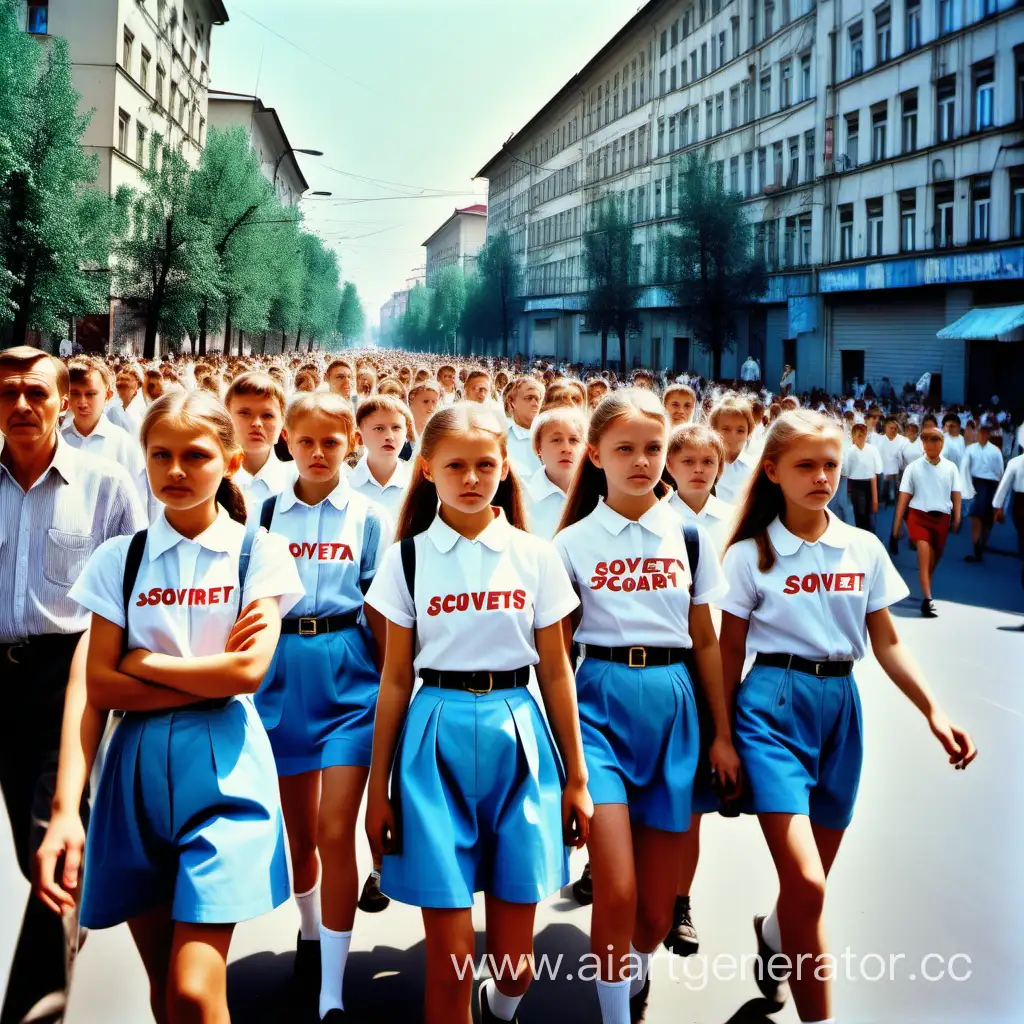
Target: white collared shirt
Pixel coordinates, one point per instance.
(109, 441)
(389, 495)
(634, 576)
(734, 478)
(521, 455)
(478, 602)
(716, 517)
(185, 600)
(861, 463)
(270, 480)
(815, 600)
(911, 452)
(129, 419)
(545, 504)
(931, 487)
(1012, 480)
(336, 546)
(953, 448)
(890, 450)
(984, 461)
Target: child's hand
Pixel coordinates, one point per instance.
(131, 663)
(725, 763)
(577, 810)
(248, 624)
(957, 743)
(381, 827)
(999, 515)
(894, 545)
(57, 862)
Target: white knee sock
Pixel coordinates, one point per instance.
(309, 912)
(644, 960)
(334, 948)
(770, 930)
(614, 999)
(503, 1007)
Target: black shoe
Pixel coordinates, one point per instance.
(334, 1017)
(583, 890)
(928, 609)
(486, 1014)
(306, 969)
(682, 936)
(372, 900)
(638, 1003)
(765, 972)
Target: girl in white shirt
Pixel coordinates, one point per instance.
(645, 634)
(558, 441)
(380, 476)
(478, 799)
(424, 399)
(523, 398)
(806, 592)
(680, 400)
(733, 421)
(187, 837)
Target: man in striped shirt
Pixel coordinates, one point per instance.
(57, 505)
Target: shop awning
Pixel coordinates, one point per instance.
(986, 322)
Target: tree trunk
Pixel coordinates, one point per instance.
(203, 318)
(716, 361)
(298, 339)
(149, 342)
(309, 347)
(604, 348)
(622, 351)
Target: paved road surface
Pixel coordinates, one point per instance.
(931, 865)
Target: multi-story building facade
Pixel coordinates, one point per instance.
(391, 314)
(457, 241)
(875, 147)
(267, 140)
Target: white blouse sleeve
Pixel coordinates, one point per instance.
(555, 596)
(272, 573)
(709, 584)
(388, 592)
(100, 587)
(886, 586)
(741, 598)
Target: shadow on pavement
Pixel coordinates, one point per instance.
(386, 984)
(756, 1011)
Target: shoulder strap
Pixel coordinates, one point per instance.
(267, 513)
(251, 529)
(692, 540)
(408, 547)
(131, 571)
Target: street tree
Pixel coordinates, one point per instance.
(448, 303)
(351, 318)
(711, 266)
(612, 267)
(320, 293)
(493, 298)
(415, 332)
(165, 264)
(54, 231)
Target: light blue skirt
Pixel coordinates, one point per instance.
(187, 813)
(641, 739)
(477, 792)
(318, 700)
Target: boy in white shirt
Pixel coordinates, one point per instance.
(981, 471)
(862, 465)
(129, 408)
(930, 499)
(953, 444)
(889, 446)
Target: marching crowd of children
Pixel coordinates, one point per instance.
(283, 585)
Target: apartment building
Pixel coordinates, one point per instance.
(457, 241)
(879, 151)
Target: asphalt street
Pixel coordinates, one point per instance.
(926, 886)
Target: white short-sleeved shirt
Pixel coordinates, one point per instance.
(890, 452)
(734, 478)
(861, 463)
(521, 455)
(634, 576)
(389, 496)
(478, 602)
(336, 546)
(984, 461)
(185, 600)
(545, 504)
(953, 448)
(911, 452)
(1013, 480)
(716, 517)
(931, 487)
(272, 478)
(815, 600)
(111, 442)
(129, 419)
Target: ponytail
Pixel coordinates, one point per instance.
(232, 500)
(419, 506)
(509, 498)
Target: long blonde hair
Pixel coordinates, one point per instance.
(764, 501)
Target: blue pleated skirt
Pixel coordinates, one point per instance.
(318, 700)
(477, 791)
(641, 739)
(187, 813)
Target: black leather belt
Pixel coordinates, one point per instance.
(308, 626)
(475, 682)
(41, 647)
(640, 657)
(211, 704)
(831, 669)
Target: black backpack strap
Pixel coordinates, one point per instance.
(691, 537)
(408, 548)
(267, 513)
(252, 528)
(132, 563)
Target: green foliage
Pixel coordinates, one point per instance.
(491, 301)
(711, 267)
(611, 265)
(320, 294)
(351, 318)
(448, 303)
(416, 333)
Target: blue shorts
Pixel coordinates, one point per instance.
(477, 793)
(187, 813)
(800, 738)
(641, 739)
(318, 700)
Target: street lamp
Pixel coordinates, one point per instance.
(310, 194)
(308, 152)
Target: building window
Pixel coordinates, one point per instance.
(945, 17)
(805, 77)
(734, 106)
(804, 241)
(662, 83)
(981, 207)
(762, 167)
(986, 8)
(794, 161)
(708, 114)
(693, 65)
(140, 144)
(766, 93)
(777, 163)
(846, 232)
(126, 51)
(809, 156)
(661, 136)
(983, 75)
(694, 123)
(669, 207)
(664, 43)
(769, 18)
(172, 105)
(786, 85)
(946, 108)
(720, 113)
(852, 139)
(856, 48)
(734, 174)
(908, 220)
(675, 34)
(181, 108)
(37, 21)
(913, 28)
(703, 59)
(721, 48)
(909, 121)
(789, 242)
(673, 83)
(1017, 202)
(124, 123)
(771, 243)
(876, 226)
(144, 70)
(735, 37)
(883, 35)
(1018, 64)
(657, 199)
(159, 93)
(748, 174)
(671, 134)
(943, 216)
(879, 118)
(748, 101)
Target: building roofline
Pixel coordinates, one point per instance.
(468, 211)
(573, 85)
(220, 12)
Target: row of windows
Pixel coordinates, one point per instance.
(620, 155)
(620, 94)
(554, 185)
(796, 241)
(556, 278)
(141, 153)
(557, 228)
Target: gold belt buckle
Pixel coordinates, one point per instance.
(490, 686)
(307, 630)
(643, 657)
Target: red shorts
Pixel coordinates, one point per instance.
(932, 527)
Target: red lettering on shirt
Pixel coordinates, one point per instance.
(627, 575)
(839, 582)
(184, 597)
(329, 551)
(478, 600)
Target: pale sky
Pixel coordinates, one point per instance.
(418, 93)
